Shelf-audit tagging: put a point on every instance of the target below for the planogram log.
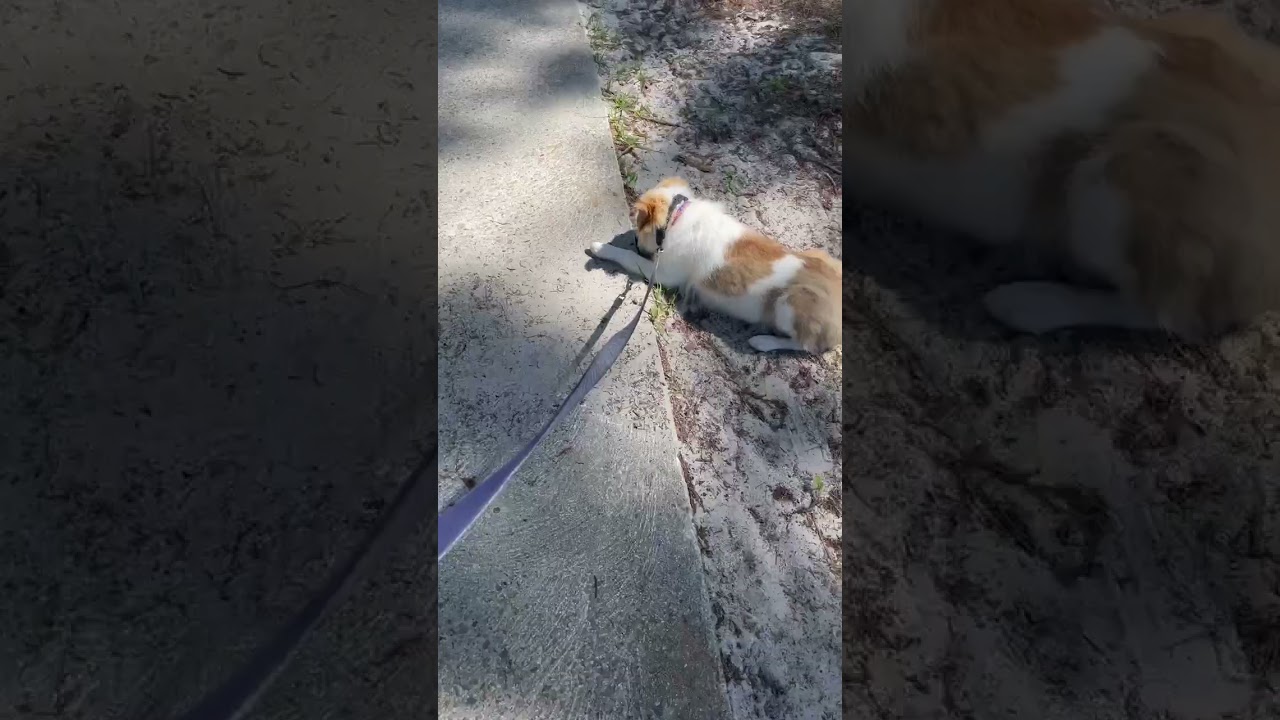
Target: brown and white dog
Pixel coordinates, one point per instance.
(733, 269)
(1143, 152)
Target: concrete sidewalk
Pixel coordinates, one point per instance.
(581, 594)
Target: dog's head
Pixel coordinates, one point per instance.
(652, 212)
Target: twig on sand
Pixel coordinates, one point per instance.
(694, 162)
(210, 209)
(820, 163)
(321, 283)
(646, 118)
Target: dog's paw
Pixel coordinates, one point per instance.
(594, 250)
(1030, 307)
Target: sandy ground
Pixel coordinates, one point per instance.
(1084, 526)
(744, 103)
(216, 348)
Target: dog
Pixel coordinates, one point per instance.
(1141, 155)
(733, 269)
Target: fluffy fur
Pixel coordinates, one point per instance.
(1143, 154)
(735, 270)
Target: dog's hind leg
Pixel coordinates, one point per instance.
(1042, 307)
(772, 343)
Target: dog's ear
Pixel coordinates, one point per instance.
(649, 209)
(646, 211)
(640, 214)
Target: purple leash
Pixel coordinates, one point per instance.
(459, 518)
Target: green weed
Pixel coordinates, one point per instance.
(777, 85)
(602, 39)
(663, 307)
(733, 182)
(633, 72)
(622, 109)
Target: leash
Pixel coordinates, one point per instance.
(234, 698)
(458, 519)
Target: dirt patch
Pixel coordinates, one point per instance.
(1081, 526)
(743, 101)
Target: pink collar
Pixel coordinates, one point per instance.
(675, 214)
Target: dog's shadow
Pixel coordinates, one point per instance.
(732, 331)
